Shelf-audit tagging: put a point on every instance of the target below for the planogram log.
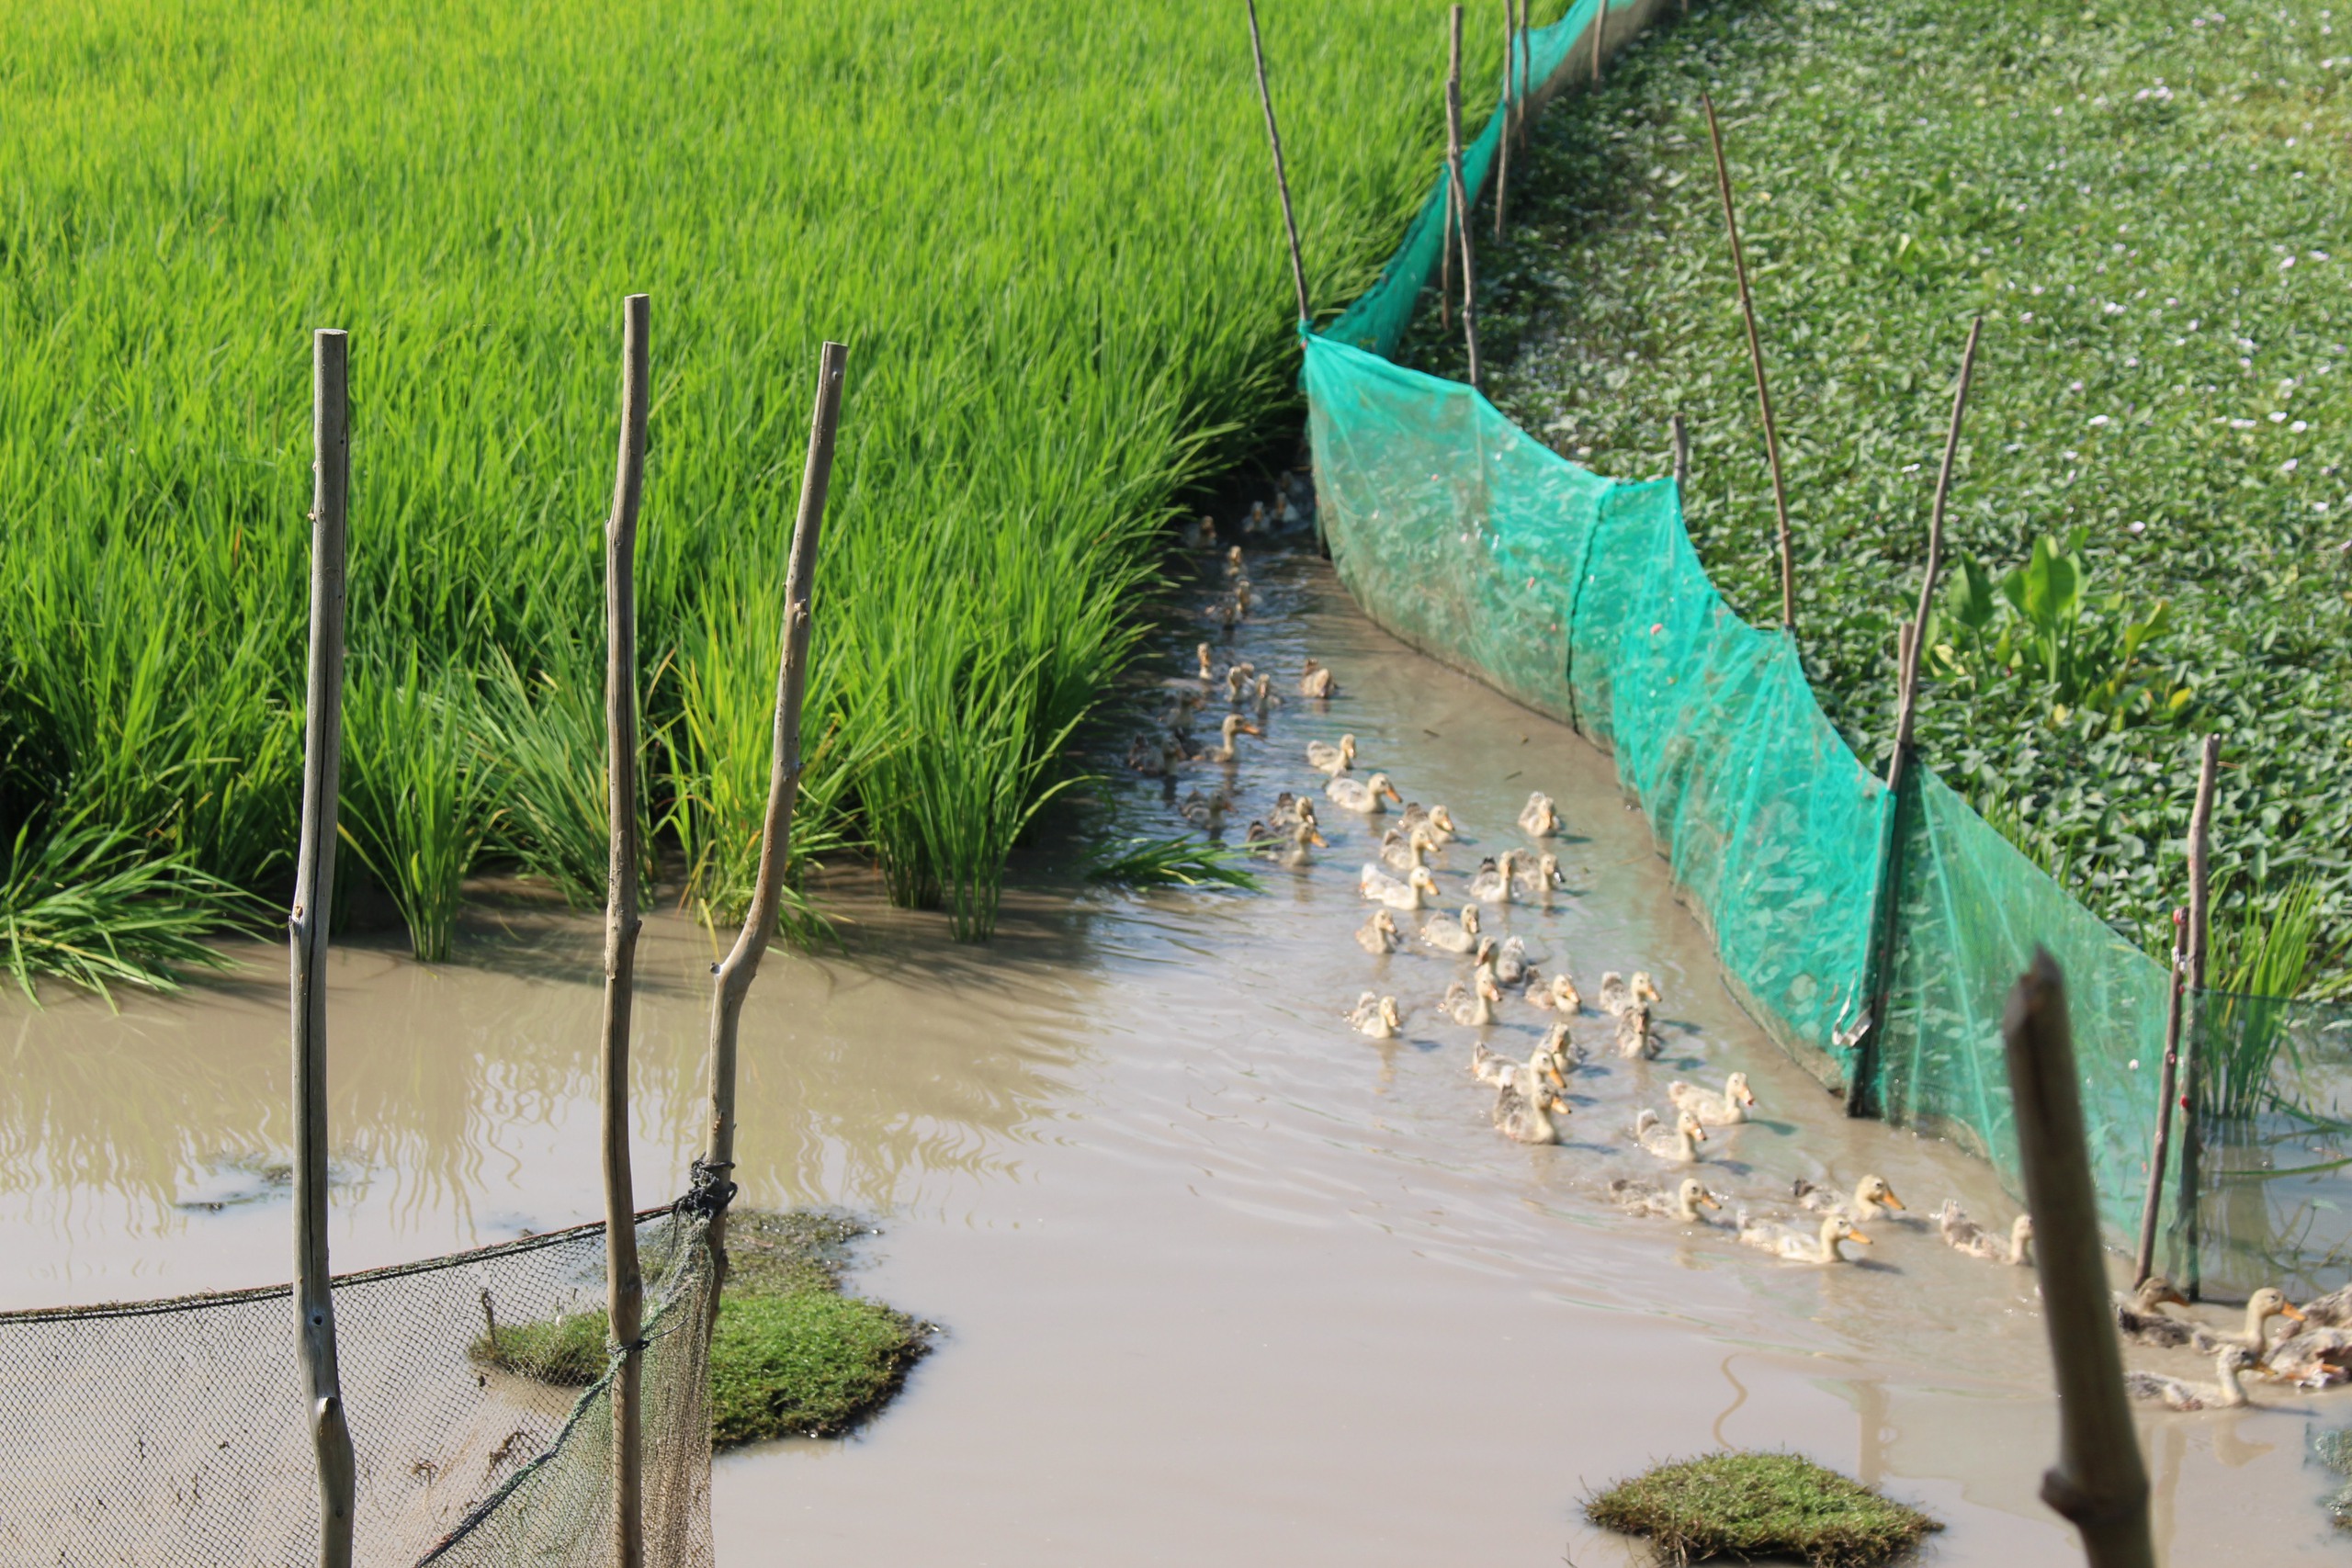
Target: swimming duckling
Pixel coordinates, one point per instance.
(1206, 811)
(1376, 1015)
(1382, 888)
(1490, 1067)
(1617, 994)
(1558, 993)
(1224, 615)
(1208, 665)
(1510, 962)
(1471, 1006)
(1565, 1054)
(1680, 1144)
(1326, 757)
(1292, 809)
(1871, 1196)
(1528, 1117)
(2226, 1393)
(1199, 534)
(1965, 1234)
(1264, 696)
(1492, 885)
(1317, 681)
(1294, 854)
(1636, 1040)
(1236, 685)
(1155, 758)
(1539, 820)
(1223, 751)
(2140, 1314)
(1648, 1199)
(1728, 1109)
(1378, 935)
(1450, 935)
(1800, 1246)
(1233, 557)
(2260, 1308)
(1364, 795)
(2312, 1359)
(1436, 818)
(1403, 849)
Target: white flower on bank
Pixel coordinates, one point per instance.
(2300, 426)
(2098, 418)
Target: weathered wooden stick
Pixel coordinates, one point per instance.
(2200, 856)
(307, 931)
(1600, 28)
(1907, 670)
(1281, 175)
(1461, 197)
(2099, 1484)
(1756, 359)
(2143, 1262)
(1526, 70)
(1510, 113)
(624, 1282)
(735, 974)
(1681, 454)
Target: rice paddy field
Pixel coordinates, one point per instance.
(2152, 517)
(1047, 233)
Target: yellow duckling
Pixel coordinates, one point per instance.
(1558, 993)
(1223, 751)
(1317, 681)
(1680, 1144)
(1800, 1246)
(1491, 1066)
(2140, 1316)
(1382, 888)
(1472, 1005)
(1541, 880)
(1538, 820)
(1636, 1040)
(1436, 818)
(1967, 1235)
(1565, 1054)
(1326, 757)
(1378, 935)
(1404, 849)
(1528, 1116)
(2226, 1393)
(1617, 994)
(1871, 1196)
(1648, 1199)
(1728, 1109)
(1294, 854)
(1449, 935)
(1363, 794)
(2260, 1308)
(1376, 1015)
(1492, 885)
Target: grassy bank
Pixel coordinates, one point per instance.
(2148, 205)
(1047, 232)
(1750, 1506)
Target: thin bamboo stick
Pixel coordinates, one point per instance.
(623, 1280)
(1755, 358)
(2099, 1484)
(307, 932)
(1907, 704)
(2143, 1262)
(1600, 30)
(1282, 176)
(1681, 457)
(1461, 196)
(1510, 115)
(735, 974)
(2200, 858)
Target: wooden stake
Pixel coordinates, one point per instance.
(2193, 980)
(1755, 358)
(1526, 70)
(2099, 1484)
(1281, 178)
(1681, 456)
(307, 934)
(1599, 29)
(1461, 197)
(623, 1280)
(2143, 1262)
(1908, 669)
(1510, 111)
(735, 974)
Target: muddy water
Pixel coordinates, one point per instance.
(1223, 1280)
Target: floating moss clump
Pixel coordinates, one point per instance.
(2332, 1450)
(793, 1354)
(1759, 1504)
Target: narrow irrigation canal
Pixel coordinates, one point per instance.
(1221, 1279)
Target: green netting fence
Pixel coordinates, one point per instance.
(1582, 597)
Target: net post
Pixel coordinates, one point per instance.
(307, 931)
(1510, 113)
(2099, 1484)
(1461, 195)
(2194, 947)
(1600, 30)
(733, 977)
(1907, 708)
(1756, 359)
(1681, 454)
(623, 1279)
(1281, 178)
(2143, 1261)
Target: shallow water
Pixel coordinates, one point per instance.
(1221, 1279)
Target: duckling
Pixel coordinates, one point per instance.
(1294, 854)
(1364, 795)
(1872, 1196)
(1965, 1234)
(1208, 665)
(1376, 1015)
(1197, 535)
(1155, 758)
(1264, 696)
(1728, 1109)
(1558, 993)
(2260, 1308)
(1292, 809)
(1256, 521)
(2226, 1393)
(1492, 885)
(1223, 751)
(2140, 1314)
(1511, 967)
(2312, 1359)
(1224, 615)
(1378, 935)
(1314, 681)
(1539, 820)
(1490, 1067)
(1236, 685)
(1800, 1246)
(1680, 1145)
(1450, 935)
(1326, 757)
(1541, 880)
(1471, 1006)
(1648, 1199)
(1233, 557)
(1404, 850)
(1528, 1117)
(1636, 1040)
(1382, 888)
(1565, 1054)
(1617, 995)
(1205, 811)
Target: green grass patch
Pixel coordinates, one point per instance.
(2151, 521)
(1171, 863)
(1759, 1504)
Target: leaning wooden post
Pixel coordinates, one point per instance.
(624, 1282)
(1510, 109)
(307, 932)
(1756, 359)
(1681, 456)
(2201, 855)
(2099, 1484)
(1907, 709)
(2143, 1262)
(1461, 197)
(1282, 176)
(735, 974)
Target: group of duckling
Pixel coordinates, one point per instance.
(2313, 1351)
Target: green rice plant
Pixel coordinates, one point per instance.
(2262, 960)
(1749, 1506)
(93, 906)
(414, 804)
(1171, 863)
(539, 743)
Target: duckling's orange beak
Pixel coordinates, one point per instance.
(1711, 1200)
(1318, 840)
(1857, 1235)
(1748, 1096)
(2289, 1310)
(1251, 730)
(1390, 791)
(1891, 1200)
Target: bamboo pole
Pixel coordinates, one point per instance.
(1599, 29)
(2143, 1262)
(623, 1280)
(1281, 175)
(1526, 68)
(733, 977)
(2099, 1484)
(1681, 456)
(307, 933)
(1907, 704)
(1461, 196)
(1756, 359)
(1510, 115)
(2193, 979)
